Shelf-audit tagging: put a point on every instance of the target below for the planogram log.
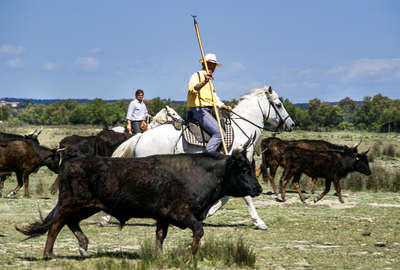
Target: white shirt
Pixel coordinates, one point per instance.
(137, 111)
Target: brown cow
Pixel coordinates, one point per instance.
(273, 150)
(23, 157)
(9, 136)
(329, 164)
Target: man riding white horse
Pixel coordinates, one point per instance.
(201, 98)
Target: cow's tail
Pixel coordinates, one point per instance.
(127, 148)
(39, 227)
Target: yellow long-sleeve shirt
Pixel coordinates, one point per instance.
(201, 98)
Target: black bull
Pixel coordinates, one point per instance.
(172, 189)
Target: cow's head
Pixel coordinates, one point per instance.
(361, 163)
(52, 160)
(239, 180)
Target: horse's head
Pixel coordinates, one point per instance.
(159, 119)
(165, 115)
(276, 114)
(172, 115)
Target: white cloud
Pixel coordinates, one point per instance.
(378, 69)
(95, 50)
(9, 49)
(238, 66)
(15, 63)
(49, 66)
(87, 63)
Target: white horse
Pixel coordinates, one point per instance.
(165, 115)
(258, 107)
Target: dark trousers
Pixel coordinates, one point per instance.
(136, 127)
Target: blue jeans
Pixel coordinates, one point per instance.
(209, 124)
(136, 127)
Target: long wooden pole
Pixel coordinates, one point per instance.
(211, 86)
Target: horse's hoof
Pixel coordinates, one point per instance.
(82, 251)
(12, 195)
(260, 225)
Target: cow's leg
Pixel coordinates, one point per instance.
(313, 183)
(2, 179)
(54, 187)
(271, 175)
(20, 182)
(55, 228)
(161, 233)
(217, 206)
(197, 230)
(26, 183)
(336, 182)
(82, 239)
(282, 183)
(258, 222)
(327, 188)
(296, 181)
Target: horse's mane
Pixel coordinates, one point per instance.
(251, 93)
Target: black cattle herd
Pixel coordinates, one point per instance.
(172, 189)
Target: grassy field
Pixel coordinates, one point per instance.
(362, 233)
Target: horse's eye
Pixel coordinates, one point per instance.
(279, 105)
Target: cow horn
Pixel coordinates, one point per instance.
(367, 151)
(61, 149)
(357, 144)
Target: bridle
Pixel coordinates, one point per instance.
(271, 104)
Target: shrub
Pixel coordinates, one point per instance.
(389, 150)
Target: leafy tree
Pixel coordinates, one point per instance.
(349, 107)
(33, 114)
(5, 113)
(156, 104)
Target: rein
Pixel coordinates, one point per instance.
(281, 122)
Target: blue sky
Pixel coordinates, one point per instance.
(107, 49)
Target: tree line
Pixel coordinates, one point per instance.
(378, 113)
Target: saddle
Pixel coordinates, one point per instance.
(193, 134)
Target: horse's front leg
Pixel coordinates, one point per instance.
(258, 222)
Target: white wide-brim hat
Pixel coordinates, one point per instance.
(212, 58)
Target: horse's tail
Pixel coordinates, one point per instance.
(127, 148)
(39, 227)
